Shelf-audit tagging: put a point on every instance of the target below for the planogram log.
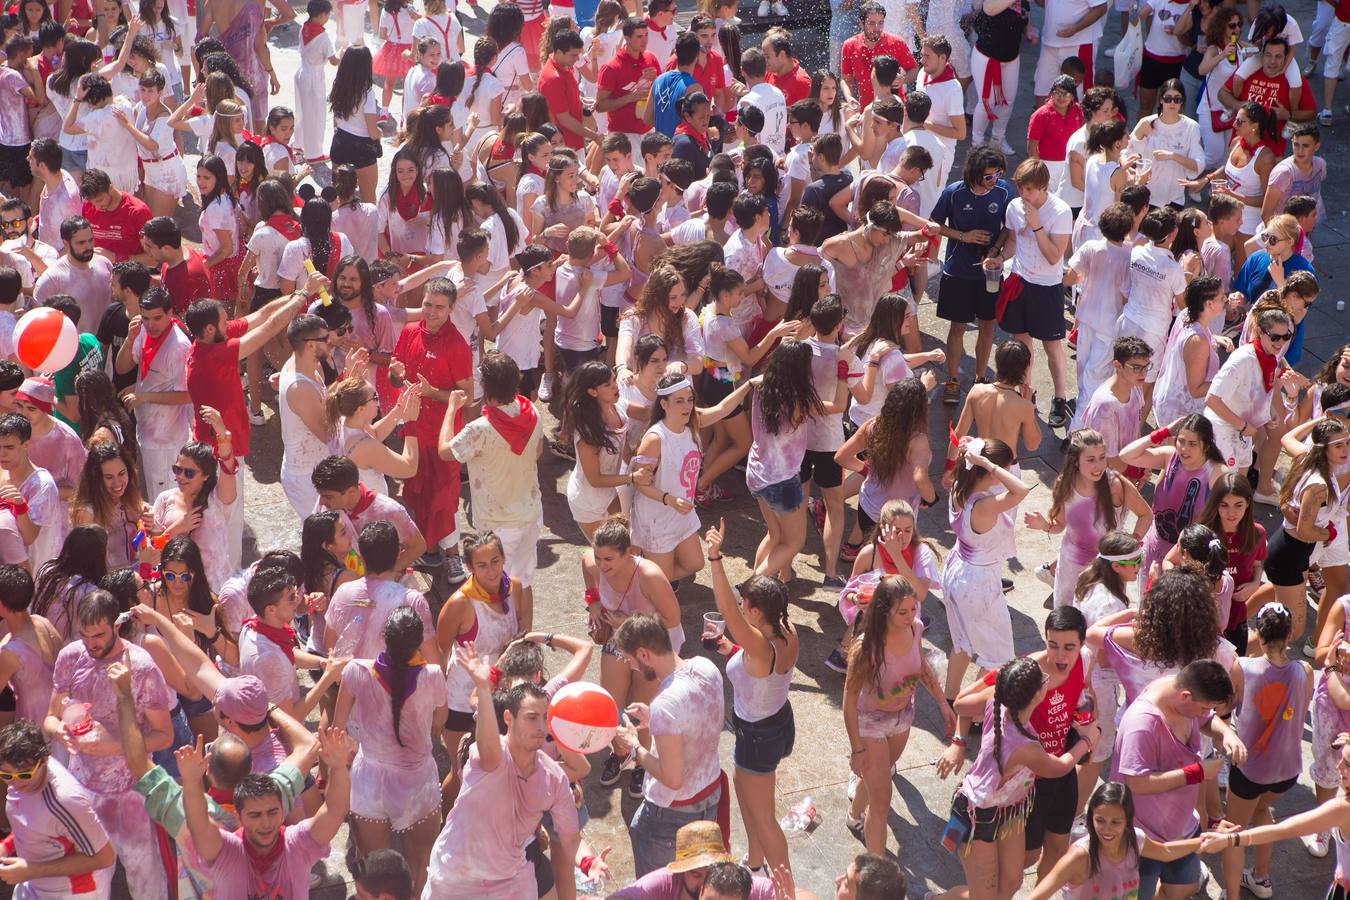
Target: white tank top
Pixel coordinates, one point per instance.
(302, 450)
(1244, 181)
(1097, 193)
(754, 699)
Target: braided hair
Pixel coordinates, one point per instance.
(402, 636)
(1017, 684)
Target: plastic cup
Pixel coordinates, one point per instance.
(714, 626)
(993, 278)
(1218, 183)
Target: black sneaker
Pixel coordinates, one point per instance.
(1007, 585)
(855, 828)
(635, 783)
(609, 775)
(454, 569)
(1059, 413)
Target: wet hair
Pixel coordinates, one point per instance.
(613, 533)
(968, 476)
(1199, 292)
(582, 415)
(867, 657)
(22, 744)
(403, 635)
(903, 417)
(316, 223)
(1110, 793)
(1067, 618)
(16, 587)
(643, 631)
(96, 608)
(1101, 571)
(1011, 361)
(1177, 620)
(318, 529)
(486, 194)
(255, 786)
(1015, 687)
(787, 394)
(1104, 136)
(770, 597)
(82, 562)
(1207, 680)
(378, 544)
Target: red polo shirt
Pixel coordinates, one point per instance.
(856, 61)
(618, 77)
(213, 380)
(1054, 130)
(712, 76)
(118, 231)
(564, 95)
(795, 83)
(187, 282)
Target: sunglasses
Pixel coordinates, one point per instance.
(1279, 338)
(1137, 561)
(14, 223)
(26, 775)
(184, 471)
(1139, 367)
(186, 577)
(344, 330)
(1271, 239)
(991, 176)
(1172, 98)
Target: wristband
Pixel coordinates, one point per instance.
(494, 676)
(958, 740)
(717, 558)
(592, 596)
(19, 509)
(1158, 435)
(842, 369)
(1195, 773)
(664, 495)
(586, 863)
(948, 466)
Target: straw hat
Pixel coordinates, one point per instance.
(697, 846)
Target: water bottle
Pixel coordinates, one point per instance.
(83, 729)
(801, 817)
(586, 887)
(1086, 711)
(350, 639)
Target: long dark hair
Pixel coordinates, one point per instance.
(805, 292)
(1101, 571)
(77, 60)
(582, 416)
(1202, 428)
(351, 83)
(1230, 483)
(200, 600)
(392, 188)
(1062, 490)
(968, 476)
(424, 141)
(1110, 793)
(84, 555)
(402, 636)
(868, 656)
(216, 166)
(99, 405)
(274, 198)
(367, 294)
(888, 317)
(318, 529)
(903, 415)
(448, 205)
(505, 23)
(1015, 688)
(316, 224)
(787, 393)
(769, 596)
(484, 193)
(90, 492)
(224, 63)
(205, 458)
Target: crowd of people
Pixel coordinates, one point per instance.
(677, 264)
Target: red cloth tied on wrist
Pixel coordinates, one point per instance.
(1195, 773)
(591, 596)
(611, 250)
(616, 208)
(19, 508)
(586, 863)
(1158, 435)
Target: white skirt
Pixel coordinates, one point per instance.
(397, 794)
(977, 612)
(167, 175)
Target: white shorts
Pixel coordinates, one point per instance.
(128, 180)
(881, 724)
(1337, 552)
(1235, 449)
(396, 794)
(521, 548)
(1333, 53)
(167, 175)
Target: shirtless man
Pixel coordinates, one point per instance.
(1000, 410)
(864, 262)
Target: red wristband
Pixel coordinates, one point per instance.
(948, 466)
(495, 676)
(1158, 435)
(611, 250)
(586, 863)
(591, 596)
(1195, 773)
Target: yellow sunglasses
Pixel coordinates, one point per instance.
(26, 775)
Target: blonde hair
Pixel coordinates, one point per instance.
(344, 399)
(433, 7)
(222, 127)
(1284, 225)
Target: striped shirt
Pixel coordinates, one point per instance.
(54, 822)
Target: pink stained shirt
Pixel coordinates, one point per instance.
(236, 878)
(372, 721)
(1145, 745)
(373, 600)
(61, 452)
(58, 204)
(53, 823)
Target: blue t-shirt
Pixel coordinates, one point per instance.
(667, 91)
(1254, 279)
(962, 209)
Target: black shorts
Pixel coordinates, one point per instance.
(819, 466)
(14, 165)
(1038, 312)
(1241, 786)
(961, 829)
(1054, 809)
(575, 359)
(263, 296)
(1153, 72)
(1287, 559)
(8, 702)
(761, 745)
(865, 522)
(350, 150)
(712, 391)
(459, 721)
(543, 870)
(609, 321)
(963, 300)
(1239, 636)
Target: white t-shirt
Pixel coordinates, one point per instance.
(267, 244)
(1240, 386)
(219, 215)
(1061, 13)
(519, 338)
(1252, 64)
(1155, 280)
(799, 163)
(111, 146)
(260, 656)
(445, 29)
(691, 706)
(512, 67)
(1159, 42)
(1029, 262)
(770, 101)
(356, 122)
(293, 258)
(949, 104)
(582, 332)
(1105, 270)
(930, 187)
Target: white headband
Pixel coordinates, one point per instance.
(974, 447)
(1275, 605)
(674, 388)
(1121, 557)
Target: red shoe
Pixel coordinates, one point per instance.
(1073, 338)
(703, 499)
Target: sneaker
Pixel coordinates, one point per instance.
(779, 8)
(1268, 499)
(815, 511)
(319, 874)
(454, 569)
(764, 9)
(1072, 339)
(257, 417)
(635, 783)
(431, 559)
(852, 786)
(1324, 118)
(1006, 147)
(1059, 413)
(833, 581)
(1045, 575)
(609, 775)
(721, 494)
(951, 393)
(563, 450)
(1007, 585)
(837, 663)
(1261, 887)
(546, 387)
(703, 499)
(1317, 845)
(1310, 649)
(1316, 585)
(1205, 879)
(855, 826)
(849, 552)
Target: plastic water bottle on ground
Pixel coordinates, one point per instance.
(801, 817)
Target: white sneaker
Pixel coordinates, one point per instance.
(1045, 575)
(764, 9)
(1317, 845)
(257, 418)
(546, 387)
(1261, 888)
(779, 8)
(1006, 147)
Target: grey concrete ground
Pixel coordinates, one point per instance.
(818, 767)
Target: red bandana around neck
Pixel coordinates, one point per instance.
(515, 430)
(290, 151)
(651, 26)
(263, 861)
(411, 203)
(1270, 363)
(700, 139)
(947, 74)
(287, 225)
(309, 31)
(365, 497)
(152, 345)
(283, 637)
(1250, 149)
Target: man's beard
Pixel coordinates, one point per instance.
(345, 294)
(647, 672)
(82, 257)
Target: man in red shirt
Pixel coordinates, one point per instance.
(1267, 82)
(710, 70)
(558, 84)
(182, 272)
(784, 71)
(116, 217)
(855, 59)
(433, 353)
(218, 345)
(625, 81)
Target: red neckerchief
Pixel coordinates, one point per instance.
(1249, 149)
(1270, 363)
(515, 430)
(290, 151)
(287, 225)
(947, 74)
(700, 139)
(888, 563)
(283, 637)
(651, 26)
(309, 31)
(263, 861)
(409, 204)
(365, 497)
(152, 345)
(437, 100)
(533, 170)
(501, 151)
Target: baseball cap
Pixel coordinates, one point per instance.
(243, 698)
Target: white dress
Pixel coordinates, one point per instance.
(311, 96)
(302, 450)
(587, 502)
(972, 588)
(212, 535)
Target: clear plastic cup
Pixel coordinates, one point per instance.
(714, 626)
(993, 277)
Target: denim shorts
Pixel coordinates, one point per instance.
(761, 746)
(199, 707)
(784, 497)
(1185, 870)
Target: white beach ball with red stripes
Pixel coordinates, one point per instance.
(45, 340)
(583, 717)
